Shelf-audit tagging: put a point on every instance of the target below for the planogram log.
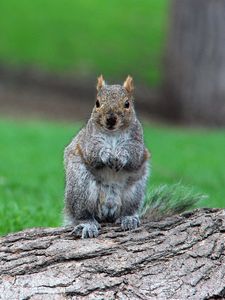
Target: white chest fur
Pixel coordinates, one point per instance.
(115, 140)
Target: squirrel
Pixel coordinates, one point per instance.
(106, 164)
(107, 167)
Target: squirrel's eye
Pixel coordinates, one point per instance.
(126, 104)
(97, 103)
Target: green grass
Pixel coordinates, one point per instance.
(86, 37)
(32, 176)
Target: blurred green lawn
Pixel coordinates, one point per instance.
(86, 37)
(32, 176)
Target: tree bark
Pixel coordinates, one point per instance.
(195, 62)
(181, 257)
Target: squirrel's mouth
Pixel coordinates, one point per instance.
(111, 122)
(110, 127)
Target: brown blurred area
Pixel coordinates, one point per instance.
(31, 93)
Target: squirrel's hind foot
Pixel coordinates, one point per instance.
(86, 230)
(129, 222)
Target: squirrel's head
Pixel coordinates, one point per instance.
(114, 107)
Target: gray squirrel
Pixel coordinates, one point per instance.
(106, 164)
(107, 168)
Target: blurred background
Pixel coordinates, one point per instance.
(51, 53)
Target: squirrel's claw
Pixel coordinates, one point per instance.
(120, 160)
(110, 163)
(118, 165)
(86, 230)
(130, 222)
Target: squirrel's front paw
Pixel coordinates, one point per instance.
(106, 157)
(120, 160)
(130, 222)
(86, 230)
(119, 163)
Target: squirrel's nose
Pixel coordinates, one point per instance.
(111, 119)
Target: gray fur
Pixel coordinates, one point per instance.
(106, 171)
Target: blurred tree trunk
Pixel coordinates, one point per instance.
(195, 62)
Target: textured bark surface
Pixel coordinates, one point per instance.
(182, 257)
(195, 62)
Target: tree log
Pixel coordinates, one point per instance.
(180, 257)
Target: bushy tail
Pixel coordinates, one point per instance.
(168, 200)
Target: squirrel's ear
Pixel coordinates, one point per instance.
(100, 83)
(129, 84)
